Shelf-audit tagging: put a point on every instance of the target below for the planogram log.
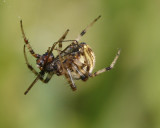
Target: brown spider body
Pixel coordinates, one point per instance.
(79, 59)
(75, 62)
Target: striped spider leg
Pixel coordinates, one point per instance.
(85, 75)
(86, 29)
(68, 73)
(83, 62)
(64, 63)
(27, 42)
(91, 55)
(107, 68)
(39, 75)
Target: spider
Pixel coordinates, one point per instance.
(75, 62)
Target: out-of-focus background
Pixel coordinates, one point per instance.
(126, 97)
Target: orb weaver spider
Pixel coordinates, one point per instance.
(75, 62)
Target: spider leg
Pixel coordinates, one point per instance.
(49, 48)
(67, 74)
(60, 47)
(48, 77)
(59, 41)
(107, 68)
(70, 79)
(86, 29)
(62, 38)
(59, 50)
(83, 76)
(28, 65)
(63, 51)
(39, 75)
(53, 46)
(46, 80)
(27, 43)
(37, 78)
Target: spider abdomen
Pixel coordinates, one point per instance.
(80, 60)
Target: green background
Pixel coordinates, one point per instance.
(126, 97)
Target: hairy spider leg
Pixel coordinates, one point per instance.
(107, 68)
(86, 29)
(27, 42)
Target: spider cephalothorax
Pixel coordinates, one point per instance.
(75, 62)
(44, 59)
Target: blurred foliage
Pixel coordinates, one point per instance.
(126, 97)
